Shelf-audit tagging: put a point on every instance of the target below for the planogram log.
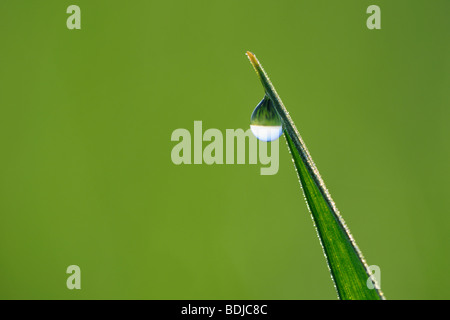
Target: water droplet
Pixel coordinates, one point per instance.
(265, 122)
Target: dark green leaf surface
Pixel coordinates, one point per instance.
(346, 263)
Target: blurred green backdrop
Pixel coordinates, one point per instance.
(86, 173)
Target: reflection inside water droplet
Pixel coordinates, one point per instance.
(265, 122)
(267, 133)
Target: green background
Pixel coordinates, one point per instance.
(86, 176)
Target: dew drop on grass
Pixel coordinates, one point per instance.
(265, 122)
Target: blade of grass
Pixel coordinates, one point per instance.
(346, 263)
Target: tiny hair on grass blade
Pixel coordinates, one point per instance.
(346, 263)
